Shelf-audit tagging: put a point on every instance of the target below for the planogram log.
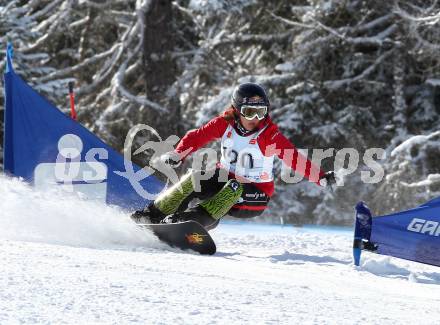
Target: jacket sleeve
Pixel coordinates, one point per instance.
(197, 138)
(292, 158)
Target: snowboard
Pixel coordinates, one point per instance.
(184, 235)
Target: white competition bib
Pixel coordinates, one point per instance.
(243, 157)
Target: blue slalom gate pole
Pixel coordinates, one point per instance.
(362, 230)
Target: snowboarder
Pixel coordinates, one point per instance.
(249, 142)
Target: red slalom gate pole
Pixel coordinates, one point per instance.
(72, 100)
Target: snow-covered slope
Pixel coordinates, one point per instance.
(69, 261)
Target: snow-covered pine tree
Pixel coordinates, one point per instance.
(340, 73)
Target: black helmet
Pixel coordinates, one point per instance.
(250, 94)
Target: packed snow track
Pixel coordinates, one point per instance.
(69, 261)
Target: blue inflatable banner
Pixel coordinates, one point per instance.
(412, 235)
(47, 148)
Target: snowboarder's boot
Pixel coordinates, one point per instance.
(166, 203)
(149, 214)
(196, 213)
(209, 212)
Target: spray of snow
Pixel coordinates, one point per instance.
(62, 218)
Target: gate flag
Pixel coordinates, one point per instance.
(412, 234)
(48, 148)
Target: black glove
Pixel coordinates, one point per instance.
(329, 177)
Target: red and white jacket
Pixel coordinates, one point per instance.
(270, 138)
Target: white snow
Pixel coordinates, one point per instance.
(285, 67)
(68, 261)
(431, 179)
(206, 6)
(433, 82)
(203, 5)
(406, 145)
(63, 218)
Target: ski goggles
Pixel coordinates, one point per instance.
(251, 112)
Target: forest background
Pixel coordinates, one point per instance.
(339, 73)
